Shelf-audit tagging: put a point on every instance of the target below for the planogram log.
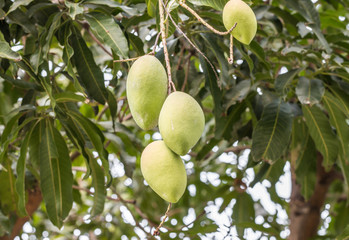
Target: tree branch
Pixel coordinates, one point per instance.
(305, 215)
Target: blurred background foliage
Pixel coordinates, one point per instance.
(70, 146)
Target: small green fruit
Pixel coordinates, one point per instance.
(181, 122)
(237, 11)
(146, 90)
(164, 171)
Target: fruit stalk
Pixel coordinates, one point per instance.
(157, 230)
(164, 43)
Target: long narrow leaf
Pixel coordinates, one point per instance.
(321, 132)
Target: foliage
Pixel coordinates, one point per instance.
(66, 125)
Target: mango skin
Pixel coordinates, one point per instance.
(146, 90)
(237, 11)
(164, 171)
(181, 122)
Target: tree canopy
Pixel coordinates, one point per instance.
(70, 149)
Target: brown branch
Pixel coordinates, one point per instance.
(34, 201)
(305, 215)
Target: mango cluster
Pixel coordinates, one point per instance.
(181, 122)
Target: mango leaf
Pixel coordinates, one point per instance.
(74, 9)
(283, 80)
(309, 91)
(152, 7)
(321, 132)
(56, 177)
(114, 5)
(90, 74)
(243, 211)
(113, 106)
(338, 120)
(304, 152)
(216, 4)
(68, 97)
(273, 131)
(22, 19)
(344, 235)
(8, 194)
(108, 32)
(98, 185)
(20, 181)
(96, 137)
(341, 100)
(17, 4)
(6, 52)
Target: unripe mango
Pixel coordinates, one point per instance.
(237, 11)
(146, 91)
(181, 122)
(164, 171)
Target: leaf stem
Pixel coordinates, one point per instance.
(184, 5)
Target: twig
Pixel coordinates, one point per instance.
(186, 74)
(100, 114)
(164, 43)
(157, 230)
(193, 45)
(182, 3)
(231, 48)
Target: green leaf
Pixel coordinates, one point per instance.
(8, 195)
(114, 5)
(74, 9)
(98, 185)
(342, 100)
(344, 235)
(113, 105)
(21, 18)
(216, 4)
(243, 211)
(20, 181)
(283, 80)
(309, 91)
(338, 120)
(304, 152)
(321, 132)
(20, 83)
(6, 52)
(108, 32)
(90, 74)
(152, 7)
(96, 137)
(247, 58)
(272, 133)
(68, 97)
(56, 177)
(17, 4)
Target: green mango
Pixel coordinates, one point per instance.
(181, 122)
(164, 171)
(237, 11)
(146, 90)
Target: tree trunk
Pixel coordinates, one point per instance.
(305, 215)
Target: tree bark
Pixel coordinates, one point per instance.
(305, 215)
(34, 200)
